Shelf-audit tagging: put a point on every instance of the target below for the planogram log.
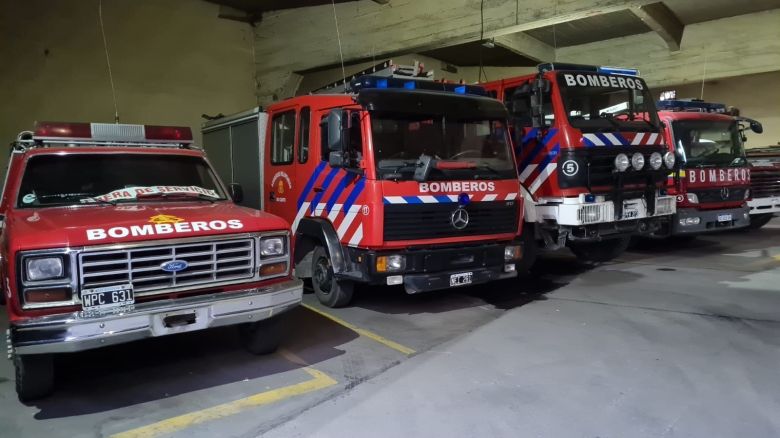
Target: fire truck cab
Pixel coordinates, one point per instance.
(113, 233)
(591, 156)
(398, 181)
(764, 184)
(712, 183)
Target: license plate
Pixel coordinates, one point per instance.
(460, 279)
(724, 217)
(105, 298)
(630, 213)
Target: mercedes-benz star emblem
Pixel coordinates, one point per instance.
(459, 218)
(724, 193)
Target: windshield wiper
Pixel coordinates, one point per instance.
(396, 166)
(77, 196)
(492, 169)
(166, 195)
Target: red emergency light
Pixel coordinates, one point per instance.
(113, 133)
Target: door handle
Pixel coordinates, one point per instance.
(318, 190)
(272, 196)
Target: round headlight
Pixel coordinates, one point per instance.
(747, 194)
(669, 160)
(621, 162)
(44, 268)
(272, 246)
(656, 160)
(638, 161)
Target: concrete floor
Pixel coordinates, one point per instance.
(664, 342)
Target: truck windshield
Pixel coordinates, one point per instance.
(78, 179)
(600, 103)
(705, 143)
(462, 148)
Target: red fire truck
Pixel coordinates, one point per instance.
(113, 233)
(712, 184)
(591, 157)
(399, 181)
(764, 184)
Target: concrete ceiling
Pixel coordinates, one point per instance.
(474, 54)
(591, 29)
(257, 7)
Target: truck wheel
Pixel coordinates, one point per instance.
(34, 376)
(262, 337)
(530, 250)
(759, 220)
(602, 251)
(329, 291)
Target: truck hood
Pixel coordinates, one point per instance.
(58, 227)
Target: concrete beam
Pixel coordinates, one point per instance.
(524, 45)
(734, 46)
(382, 2)
(658, 17)
(229, 13)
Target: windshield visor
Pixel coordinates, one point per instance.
(78, 179)
(599, 103)
(462, 148)
(703, 143)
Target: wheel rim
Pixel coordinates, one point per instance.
(323, 275)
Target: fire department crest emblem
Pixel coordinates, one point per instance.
(165, 219)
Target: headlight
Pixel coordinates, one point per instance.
(621, 162)
(512, 252)
(44, 268)
(747, 194)
(669, 160)
(391, 263)
(656, 160)
(692, 198)
(272, 246)
(638, 161)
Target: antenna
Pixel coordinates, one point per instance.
(338, 37)
(703, 76)
(108, 61)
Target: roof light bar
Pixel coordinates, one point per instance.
(550, 66)
(693, 105)
(370, 81)
(111, 133)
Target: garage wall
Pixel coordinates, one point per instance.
(756, 96)
(172, 61)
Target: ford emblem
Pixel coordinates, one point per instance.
(174, 265)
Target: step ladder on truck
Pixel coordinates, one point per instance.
(387, 177)
(591, 157)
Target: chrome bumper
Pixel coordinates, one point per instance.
(77, 331)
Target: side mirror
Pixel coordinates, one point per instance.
(756, 127)
(236, 192)
(338, 129)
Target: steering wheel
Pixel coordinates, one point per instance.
(477, 154)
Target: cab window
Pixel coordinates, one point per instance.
(324, 149)
(303, 135)
(282, 138)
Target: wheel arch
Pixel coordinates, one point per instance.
(317, 231)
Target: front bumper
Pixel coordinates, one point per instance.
(709, 220)
(76, 332)
(574, 213)
(430, 268)
(764, 205)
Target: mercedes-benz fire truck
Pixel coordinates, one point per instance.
(764, 184)
(398, 181)
(591, 157)
(113, 233)
(712, 183)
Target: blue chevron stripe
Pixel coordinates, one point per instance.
(310, 183)
(353, 195)
(346, 179)
(325, 184)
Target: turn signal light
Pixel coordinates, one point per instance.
(47, 295)
(273, 269)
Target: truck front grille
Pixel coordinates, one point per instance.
(219, 261)
(764, 183)
(720, 195)
(434, 221)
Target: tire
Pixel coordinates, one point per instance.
(34, 376)
(262, 337)
(329, 291)
(530, 250)
(599, 252)
(759, 220)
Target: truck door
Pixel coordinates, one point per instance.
(287, 152)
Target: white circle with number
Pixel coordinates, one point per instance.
(570, 168)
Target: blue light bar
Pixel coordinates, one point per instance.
(369, 81)
(619, 71)
(694, 105)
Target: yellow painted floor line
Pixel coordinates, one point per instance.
(318, 381)
(363, 332)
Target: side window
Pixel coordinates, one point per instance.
(283, 138)
(303, 135)
(355, 135)
(324, 149)
(493, 94)
(519, 105)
